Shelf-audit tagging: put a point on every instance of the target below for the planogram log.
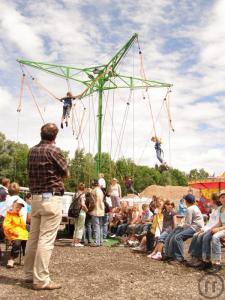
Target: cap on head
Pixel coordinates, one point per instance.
(19, 201)
(222, 193)
(189, 198)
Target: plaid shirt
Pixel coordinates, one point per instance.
(46, 167)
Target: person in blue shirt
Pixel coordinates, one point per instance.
(67, 105)
(182, 208)
(158, 149)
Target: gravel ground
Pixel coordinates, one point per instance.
(106, 273)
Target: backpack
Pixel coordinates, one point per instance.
(90, 201)
(75, 207)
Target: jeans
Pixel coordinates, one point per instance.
(105, 225)
(174, 242)
(163, 236)
(131, 189)
(216, 246)
(159, 155)
(200, 245)
(98, 229)
(88, 228)
(121, 229)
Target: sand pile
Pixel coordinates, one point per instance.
(174, 193)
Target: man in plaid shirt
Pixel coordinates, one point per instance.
(46, 169)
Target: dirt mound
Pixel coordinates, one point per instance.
(173, 193)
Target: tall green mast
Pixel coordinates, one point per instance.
(98, 79)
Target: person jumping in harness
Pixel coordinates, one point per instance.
(158, 149)
(67, 105)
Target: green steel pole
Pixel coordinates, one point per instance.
(100, 97)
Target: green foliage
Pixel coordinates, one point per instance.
(13, 164)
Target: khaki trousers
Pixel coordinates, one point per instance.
(45, 220)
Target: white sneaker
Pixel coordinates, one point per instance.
(78, 245)
(10, 263)
(150, 255)
(157, 256)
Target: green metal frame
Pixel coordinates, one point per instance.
(99, 78)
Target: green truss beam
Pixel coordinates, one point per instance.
(98, 79)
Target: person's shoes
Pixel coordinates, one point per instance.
(194, 263)
(215, 269)
(66, 124)
(94, 245)
(28, 280)
(62, 125)
(113, 236)
(138, 249)
(50, 286)
(205, 266)
(175, 262)
(157, 256)
(151, 254)
(78, 245)
(10, 263)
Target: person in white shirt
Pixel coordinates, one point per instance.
(200, 245)
(115, 193)
(101, 182)
(14, 190)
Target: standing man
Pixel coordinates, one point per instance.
(98, 213)
(46, 169)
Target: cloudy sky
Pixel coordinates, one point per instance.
(182, 43)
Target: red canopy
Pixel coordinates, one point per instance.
(207, 184)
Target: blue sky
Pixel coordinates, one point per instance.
(182, 43)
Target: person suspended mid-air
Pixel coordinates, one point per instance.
(158, 149)
(67, 105)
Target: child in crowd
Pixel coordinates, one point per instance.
(218, 232)
(193, 223)
(135, 219)
(145, 220)
(200, 245)
(147, 242)
(28, 200)
(182, 208)
(114, 220)
(125, 219)
(169, 223)
(15, 231)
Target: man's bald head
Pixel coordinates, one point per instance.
(49, 132)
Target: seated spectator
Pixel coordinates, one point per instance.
(147, 242)
(126, 216)
(114, 220)
(218, 232)
(14, 190)
(169, 224)
(193, 223)
(200, 245)
(135, 219)
(15, 230)
(145, 220)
